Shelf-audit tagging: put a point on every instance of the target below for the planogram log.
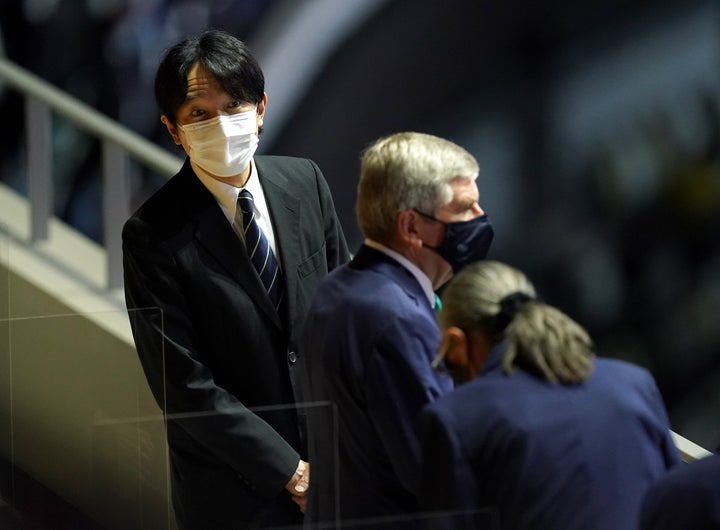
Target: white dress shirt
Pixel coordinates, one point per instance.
(226, 196)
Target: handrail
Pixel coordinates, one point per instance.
(117, 143)
(89, 118)
(688, 449)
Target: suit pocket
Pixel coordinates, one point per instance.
(314, 263)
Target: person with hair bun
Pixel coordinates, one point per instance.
(539, 432)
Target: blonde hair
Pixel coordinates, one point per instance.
(407, 170)
(540, 338)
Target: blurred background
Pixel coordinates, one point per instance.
(596, 125)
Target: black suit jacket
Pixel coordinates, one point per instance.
(218, 358)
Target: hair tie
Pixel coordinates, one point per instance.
(509, 307)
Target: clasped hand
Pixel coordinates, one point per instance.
(299, 484)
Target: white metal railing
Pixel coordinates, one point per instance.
(118, 144)
(689, 450)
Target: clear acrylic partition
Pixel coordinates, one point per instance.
(5, 433)
(326, 453)
(466, 520)
(87, 442)
(82, 440)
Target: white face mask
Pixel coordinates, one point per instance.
(224, 145)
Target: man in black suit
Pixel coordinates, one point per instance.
(216, 332)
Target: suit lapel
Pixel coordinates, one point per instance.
(216, 236)
(285, 216)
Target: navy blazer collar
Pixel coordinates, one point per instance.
(368, 257)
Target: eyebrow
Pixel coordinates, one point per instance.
(470, 202)
(193, 94)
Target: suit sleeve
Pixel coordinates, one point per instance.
(667, 444)
(400, 382)
(448, 487)
(182, 384)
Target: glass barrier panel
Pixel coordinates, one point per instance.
(88, 447)
(86, 441)
(486, 519)
(324, 454)
(6, 493)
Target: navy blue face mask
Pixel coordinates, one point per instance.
(465, 241)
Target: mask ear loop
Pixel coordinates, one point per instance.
(431, 218)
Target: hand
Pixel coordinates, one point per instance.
(300, 501)
(299, 484)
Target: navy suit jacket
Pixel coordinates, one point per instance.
(217, 356)
(537, 455)
(368, 343)
(687, 497)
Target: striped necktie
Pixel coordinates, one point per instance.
(261, 255)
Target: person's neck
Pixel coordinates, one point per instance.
(479, 346)
(427, 261)
(405, 251)
(420, 258)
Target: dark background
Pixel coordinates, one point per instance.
(596, 125)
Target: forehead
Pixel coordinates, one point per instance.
(465, 189)
(200, 83)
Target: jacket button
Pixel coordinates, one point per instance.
(292, 357)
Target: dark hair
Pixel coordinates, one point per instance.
(227, 58)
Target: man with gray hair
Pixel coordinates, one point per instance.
(371, 332)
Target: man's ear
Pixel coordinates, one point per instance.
(456, 343)
(171, 129)
(409, 226)
(261, 110)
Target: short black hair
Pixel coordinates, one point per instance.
(226, 57)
